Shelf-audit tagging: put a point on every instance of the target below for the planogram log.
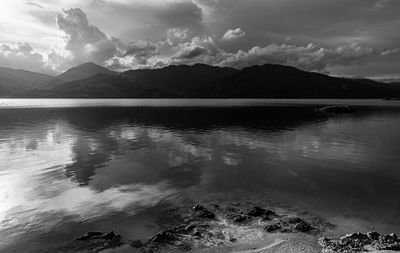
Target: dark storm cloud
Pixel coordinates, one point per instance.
(181, 14)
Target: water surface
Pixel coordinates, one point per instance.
(70, 166)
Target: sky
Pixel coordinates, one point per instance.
(337, 37)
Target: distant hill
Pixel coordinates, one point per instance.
(277, 81)
(79, 72)
(14, 81)
(103, 86)
(84, 71)
(198, 80)
(203, 81)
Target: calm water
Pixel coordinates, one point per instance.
(81, 165)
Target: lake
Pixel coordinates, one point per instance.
(68, 166)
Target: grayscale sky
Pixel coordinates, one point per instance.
(339, 37)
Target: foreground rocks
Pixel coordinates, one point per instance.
(213, 225)
(359, 242)
(91, 242)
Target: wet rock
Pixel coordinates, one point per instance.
(260, 212)
(272, 228)
(299, 225)
(99, 235)
(373, 235)
(94, 241)
(110, 236)
(239, 217)
(357, 242)
(135, 243)
(202, 212)
(90, 235)
(294, 220)
(163, 237)
(303, 227)
(337, 109)
(199, 208)
(205, 214)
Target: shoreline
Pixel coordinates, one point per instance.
(244, 227)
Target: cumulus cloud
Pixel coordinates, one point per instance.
(176, 35)
(142, 50)
(310, 57)
(198, 46)
(178, 45)
(22, 56)
(85, 42)
(233, 34)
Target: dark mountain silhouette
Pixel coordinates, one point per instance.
(277, 81)
(84, 71)
(198, 80)
(203, 81)
(14, 81)
(79, 72)
(103, 86)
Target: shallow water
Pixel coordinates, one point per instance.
(83, 165)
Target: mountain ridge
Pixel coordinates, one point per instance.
(203, 81)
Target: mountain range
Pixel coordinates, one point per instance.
(197, 81)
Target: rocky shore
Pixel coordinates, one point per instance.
(212, 226)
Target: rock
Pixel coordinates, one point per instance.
(272, 228)
(94, 241)
(294, 220)
(260, 212)
(233, 240)
(163, 237)
(357, 242)
(373, 235)
(303, 227)
(185, 229)
(199, 208)
(239, 217)
(337, 109)
(205, 214)
(90, 235)
(110, 236)
(135, 243)
(202, 212)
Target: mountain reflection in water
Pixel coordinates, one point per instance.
(65, 171)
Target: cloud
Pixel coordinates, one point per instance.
(182, 32)
(142, 50)
(310, 57)
(22, 56)
(198, 46)
(85, 42)
(181, 14)
(233, 34)
(390, 52)
(381, 3)
(176, 35)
